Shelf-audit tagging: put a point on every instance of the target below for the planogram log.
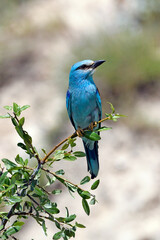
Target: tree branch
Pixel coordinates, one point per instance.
(44, 160)
(65, 180)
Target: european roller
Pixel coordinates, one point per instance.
(84, 106)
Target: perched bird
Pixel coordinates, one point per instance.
(83, 104)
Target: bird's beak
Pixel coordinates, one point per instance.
(97, 63)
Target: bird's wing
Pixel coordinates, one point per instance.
(98, 99)
(69, 107)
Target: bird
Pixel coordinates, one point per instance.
(84, 107)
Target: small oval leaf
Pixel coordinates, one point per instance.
(79, 154)
(92, 136)
(85, 180)
(24, 107)
(95, 184)
(85, 206)
(80, 225)
(21, 121)
(56, 191)
(57, 235)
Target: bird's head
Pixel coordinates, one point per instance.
(84, 69)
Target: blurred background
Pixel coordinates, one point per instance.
(39, 41)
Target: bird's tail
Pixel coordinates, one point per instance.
(92, 158)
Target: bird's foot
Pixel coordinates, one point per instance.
(80, 132)
(92, 125)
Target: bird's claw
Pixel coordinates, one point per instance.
(80, 132)
(92, 125)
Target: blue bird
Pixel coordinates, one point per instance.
(83, 104)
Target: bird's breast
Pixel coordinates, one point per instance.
(84, 105)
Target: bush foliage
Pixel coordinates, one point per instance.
(20, 188)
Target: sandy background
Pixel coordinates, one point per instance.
(39, 42)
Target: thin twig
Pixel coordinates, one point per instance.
(44, 160)
(64, 180)
(9, 215)
(33, 200)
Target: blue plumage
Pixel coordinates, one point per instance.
(84, 106)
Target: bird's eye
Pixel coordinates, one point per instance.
(84, 66)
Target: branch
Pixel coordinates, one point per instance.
(44, 160)
(65, 180)
(9, 215)
(40, 206)
(75, 134)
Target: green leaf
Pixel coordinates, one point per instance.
(57, 235)
(9, 188)
(4, 215)
(21, 121)
(14, 199)
(25, 162)
(5, 116)
(56, 191)
(50, 180)
(25, 107)
(44, 227)
(2, 177)
(85, 194)
(21, 145)
(14, 121)
(27, 139)
(103, 129)
(111, 106)
(67, 211)
(17, 223)
(60, 172)
(71, 187)
(1, 227)
(61, 219)
(8, 108)
(70, 218)
(16, 109)
(120, 115)
(68, 233)
(80, 225)
(93, 201)
(8, 163)
(19, 160)
(70, 158)
(57, 225)
(20, 131)
(85, 180)
(79, 154)
(95, 184)
(52, 210)
(65, 146)
(115, 117)
(72, 143)
(85, 206)
(44, 151)
(92, 136)
(12, 230)
(59, 155)
(39, 191)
